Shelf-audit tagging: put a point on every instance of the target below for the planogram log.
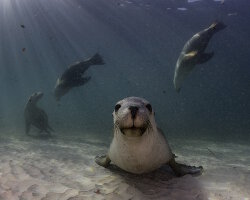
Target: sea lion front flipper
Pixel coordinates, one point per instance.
(50, 128)
(205, 57)
(80, 81)
(48, 133)
(181, 169)
(84, 80)
(96, 60)
(190, 55)
(103, 160)
(27, 128)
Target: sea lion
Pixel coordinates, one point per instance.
(73, 76)
(138, 146)
(193, 53)
(36, 116)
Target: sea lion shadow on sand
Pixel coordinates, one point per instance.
(161, 183)
(39, 136)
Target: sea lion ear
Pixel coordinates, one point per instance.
(190, 55)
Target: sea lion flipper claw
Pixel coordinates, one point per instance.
(186, 169)
(103, 160)
(182, 169)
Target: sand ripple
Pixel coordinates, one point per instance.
(56, 169)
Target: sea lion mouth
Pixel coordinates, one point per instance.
(133, 131)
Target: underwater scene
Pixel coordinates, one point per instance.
(124, 99)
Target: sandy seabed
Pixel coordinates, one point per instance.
(64, 169)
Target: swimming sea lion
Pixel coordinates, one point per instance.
(73, 76)
(36, 116)
(138, 146)
(193, 53)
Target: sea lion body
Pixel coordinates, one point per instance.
(132, 156)
(138, 146)
(134, 152)
(193, 53)
(73, 76)
(36, 116)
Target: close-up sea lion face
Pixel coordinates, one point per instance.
(133, 116)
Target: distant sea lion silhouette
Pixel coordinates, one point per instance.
(73, 76)
(193, 53)
(36, 116)
(138, 146)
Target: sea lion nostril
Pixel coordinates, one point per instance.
(133, 110)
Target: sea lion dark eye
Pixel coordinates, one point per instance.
(117, 106)
(149, 107)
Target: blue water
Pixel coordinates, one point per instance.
(140, 42)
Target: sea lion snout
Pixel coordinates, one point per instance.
(133, 110)
(35, 97)
(132, 116)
